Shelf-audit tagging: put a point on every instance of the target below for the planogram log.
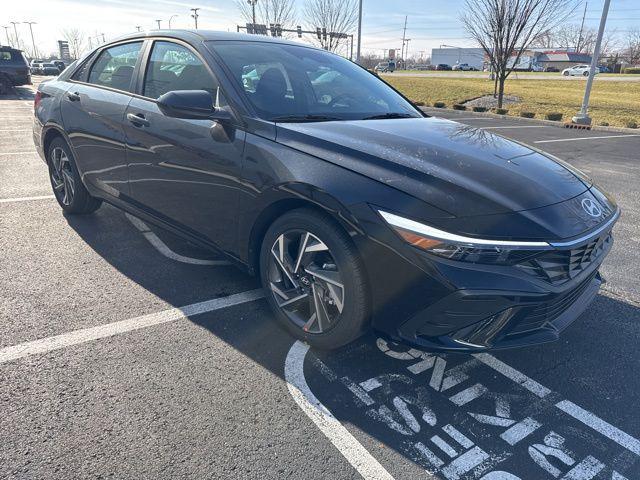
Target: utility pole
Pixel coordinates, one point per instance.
(158, 21)
(15, 30)
(6, 32)
(404, 36)
(195, 15)
(33, 43)
(584, 14)
(171, 18)
(103, 39)
(582, 117)
(253, 9)
(359, 31)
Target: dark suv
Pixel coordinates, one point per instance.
(14, 69)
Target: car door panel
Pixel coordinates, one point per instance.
(93, 119)
(179, 171)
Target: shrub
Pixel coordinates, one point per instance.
(501, 111)
(439, 104)
(528, 114)
(633, 70)
(604, 124)
(419, 104)
(457, 106)
(479, 109)
(631, 124)
(554, 116)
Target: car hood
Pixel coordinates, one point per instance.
(462, 170)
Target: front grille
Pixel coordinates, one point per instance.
(560, 266)
(546, 312)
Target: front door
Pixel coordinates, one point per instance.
(179, 171)
(93, 111)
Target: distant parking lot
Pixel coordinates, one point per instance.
(128, 353)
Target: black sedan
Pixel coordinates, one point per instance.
(356, 209)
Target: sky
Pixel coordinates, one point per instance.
(431, 23)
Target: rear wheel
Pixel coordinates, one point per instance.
(67, 185)
(566, 74)
(314, 279)
(5, 85)
(586, 74)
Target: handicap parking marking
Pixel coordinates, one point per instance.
(455, 416)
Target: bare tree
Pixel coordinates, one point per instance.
(336, 16)
(269, 12)
(631, 52)
(76, 41)
(506, 28)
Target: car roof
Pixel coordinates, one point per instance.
(191, 36)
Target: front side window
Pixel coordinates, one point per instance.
(114, 67)
(288, 82)
(174, 67)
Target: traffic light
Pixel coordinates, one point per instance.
(319, 33)
(299, 30)
(324, 34)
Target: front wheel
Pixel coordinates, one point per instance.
(566, 74)
(314, 279)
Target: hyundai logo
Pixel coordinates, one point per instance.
(591, 207)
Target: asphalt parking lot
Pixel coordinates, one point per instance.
(128, 353)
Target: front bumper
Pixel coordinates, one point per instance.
(453, 306)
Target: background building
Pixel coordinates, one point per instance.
(454, 55)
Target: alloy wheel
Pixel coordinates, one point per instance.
(62, 176)
(305, 281)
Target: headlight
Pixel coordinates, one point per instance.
(458, 247)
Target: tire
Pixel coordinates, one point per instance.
(328, 254)
(566, 74)
(66, 183)
(5, 85)
(585, 74)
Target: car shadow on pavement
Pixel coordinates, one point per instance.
(448, 414)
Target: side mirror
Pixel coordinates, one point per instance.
(190, 104)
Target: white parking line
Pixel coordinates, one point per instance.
(162, 247)
(32, 152)
(26, 199)
(468, 118)
(84, 335)
(355, 453)
(517, 127)
(585, 138)
(21, 130)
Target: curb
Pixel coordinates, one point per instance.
(551, 123)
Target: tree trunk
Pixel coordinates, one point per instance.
(501, 90)
(495, 86)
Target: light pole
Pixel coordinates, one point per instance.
(582, 117)
(138, 27)
(15, 30)
(6, 32)
(158, 21)
(359, 31)
(195, 16)
(103, 39)
(253, 9)
(171, 18)
(33, 43)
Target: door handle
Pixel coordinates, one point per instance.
(73, 96)
(137, 119)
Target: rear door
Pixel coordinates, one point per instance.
(93, 111)
(179, 171)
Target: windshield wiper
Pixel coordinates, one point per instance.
(304, 118)
(389, 115)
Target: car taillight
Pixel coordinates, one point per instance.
(36, 100)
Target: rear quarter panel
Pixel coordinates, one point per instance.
(48, 114)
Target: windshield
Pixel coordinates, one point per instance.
(291, 83)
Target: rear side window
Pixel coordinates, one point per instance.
(174, 67)
(114, 66)
(5, 56)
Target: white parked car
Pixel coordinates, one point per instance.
(461, 66)
(582, 70)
